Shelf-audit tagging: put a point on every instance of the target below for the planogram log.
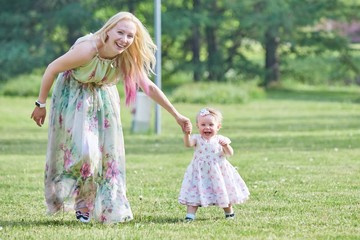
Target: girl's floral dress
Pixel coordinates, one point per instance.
(85, 161)
(210, 179)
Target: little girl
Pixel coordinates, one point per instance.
(210, 179)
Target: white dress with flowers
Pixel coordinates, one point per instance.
(210, 179)
(85, 162)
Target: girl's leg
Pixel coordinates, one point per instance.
(191, 212)
(229, 212)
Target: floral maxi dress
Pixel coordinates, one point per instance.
(210, 179)
(85, 161)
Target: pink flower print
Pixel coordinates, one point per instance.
(106, 123)
(67, 159)
(92, 75)
(104, 79)
(60, 120)
(78, 105)
(66, 74)
(85, 170)
(103, 218)
(113, 171)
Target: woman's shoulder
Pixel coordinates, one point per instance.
(86, 43)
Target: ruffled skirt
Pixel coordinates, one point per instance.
(212, 183)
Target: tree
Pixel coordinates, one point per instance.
(35, 32)
(290, 22)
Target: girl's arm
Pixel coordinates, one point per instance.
(188, 141)
(227, 149)
(158, 96)
(77, 56)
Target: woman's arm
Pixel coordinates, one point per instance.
(77, 56)
(158, 96)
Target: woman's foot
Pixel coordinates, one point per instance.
(83, 216)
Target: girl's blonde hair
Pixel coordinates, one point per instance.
(210, 111)
(138, 61)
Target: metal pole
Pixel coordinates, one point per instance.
(157, 28)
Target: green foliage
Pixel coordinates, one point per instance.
(322, 69)
(297, 151)
(23, 85)
(217, 93)
(35, 32)
(208, 39)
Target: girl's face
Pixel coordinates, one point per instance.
(208, 126)
(121, 36)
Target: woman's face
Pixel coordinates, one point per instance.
(121, 36)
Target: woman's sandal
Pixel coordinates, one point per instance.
(83, 216)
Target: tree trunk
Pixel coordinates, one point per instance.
(195, 45)
(131, 6)
(272, 73)
(215, 58)
(211, 50)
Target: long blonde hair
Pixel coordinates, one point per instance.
(138, 61)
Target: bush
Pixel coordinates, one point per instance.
(214, 92)
(23, 85)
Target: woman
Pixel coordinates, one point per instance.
(85, 161)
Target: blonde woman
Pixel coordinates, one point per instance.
(85, 160)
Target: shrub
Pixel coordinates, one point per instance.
(214, 92)
(23, 85)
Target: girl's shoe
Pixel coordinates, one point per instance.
(230, 216)
(188, 219)
(83, 217)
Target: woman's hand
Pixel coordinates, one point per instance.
(184, 123)
(39, 115)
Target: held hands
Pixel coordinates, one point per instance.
(188, 128)
(39, 115)
(185, 124)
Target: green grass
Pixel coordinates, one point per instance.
(298, 152)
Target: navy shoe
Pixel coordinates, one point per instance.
(83, 217)
(230, 216)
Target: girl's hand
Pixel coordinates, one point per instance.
(39, 115)
(188, 129)
(223, 141)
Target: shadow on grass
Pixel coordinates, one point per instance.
(314, 95)
(34, 223)
(74, 223)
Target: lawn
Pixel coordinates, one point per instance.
(297, 151)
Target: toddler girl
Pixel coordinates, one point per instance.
(210, 179)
